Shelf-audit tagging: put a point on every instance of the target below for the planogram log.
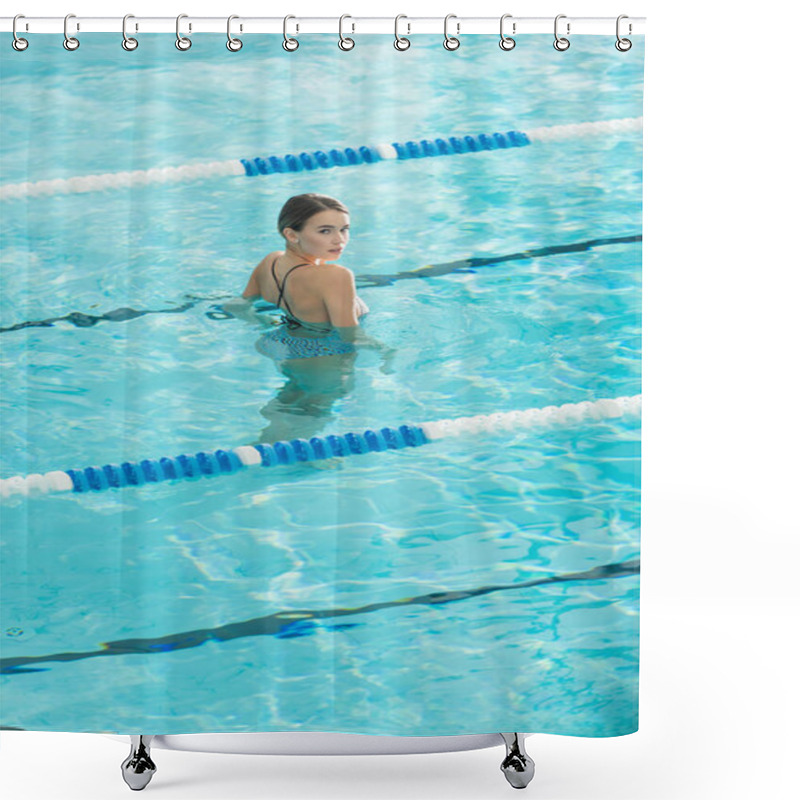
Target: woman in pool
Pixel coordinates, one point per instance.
(317, 295)
(315, 344)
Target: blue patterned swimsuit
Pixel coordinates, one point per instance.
(315, 339)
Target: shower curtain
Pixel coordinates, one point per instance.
(321, 385)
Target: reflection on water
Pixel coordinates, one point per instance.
(304, 404)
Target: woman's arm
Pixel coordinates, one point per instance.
(344, 307)
(242, 307)
(339, 296)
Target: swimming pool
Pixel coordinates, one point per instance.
(182, 576)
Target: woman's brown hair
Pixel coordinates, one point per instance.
(298, 209)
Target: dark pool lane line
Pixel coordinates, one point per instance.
(82, 320)
(291, 624)
(469, 264)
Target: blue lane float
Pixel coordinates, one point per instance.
(207, 464)
(258, 166)
(219, 462)
(424, 148)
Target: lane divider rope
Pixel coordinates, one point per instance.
(319, 159)
(219, 462)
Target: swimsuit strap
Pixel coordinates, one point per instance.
(282, 287)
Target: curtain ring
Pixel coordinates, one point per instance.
(561, 43)
(19, 44)
(182, 42)
(233, 44)
(400, 42)
(346, 43)
(506, 42)
(70, 42)
(289, 44)
(623, 45)
(128, 42)
(451, 42)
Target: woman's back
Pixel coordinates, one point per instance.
(301, 288)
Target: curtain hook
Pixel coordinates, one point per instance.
(400, 42)
(70, 42)
(233, 44)
(19, 44)
(128, 42)
(561, 43)
(623, 45)
(451, 42)
(182, 42)
(346, 43)
(289, 44)
(506, 42)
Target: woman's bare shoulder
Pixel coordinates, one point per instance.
(338, 282)
(269, 258)
(338, 271)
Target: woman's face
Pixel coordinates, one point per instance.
(324, 235)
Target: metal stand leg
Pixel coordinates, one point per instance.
(518, 766)
(138, 768)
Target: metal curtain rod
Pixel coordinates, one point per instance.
(386, 25)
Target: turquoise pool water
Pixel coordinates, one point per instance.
(159, 567)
